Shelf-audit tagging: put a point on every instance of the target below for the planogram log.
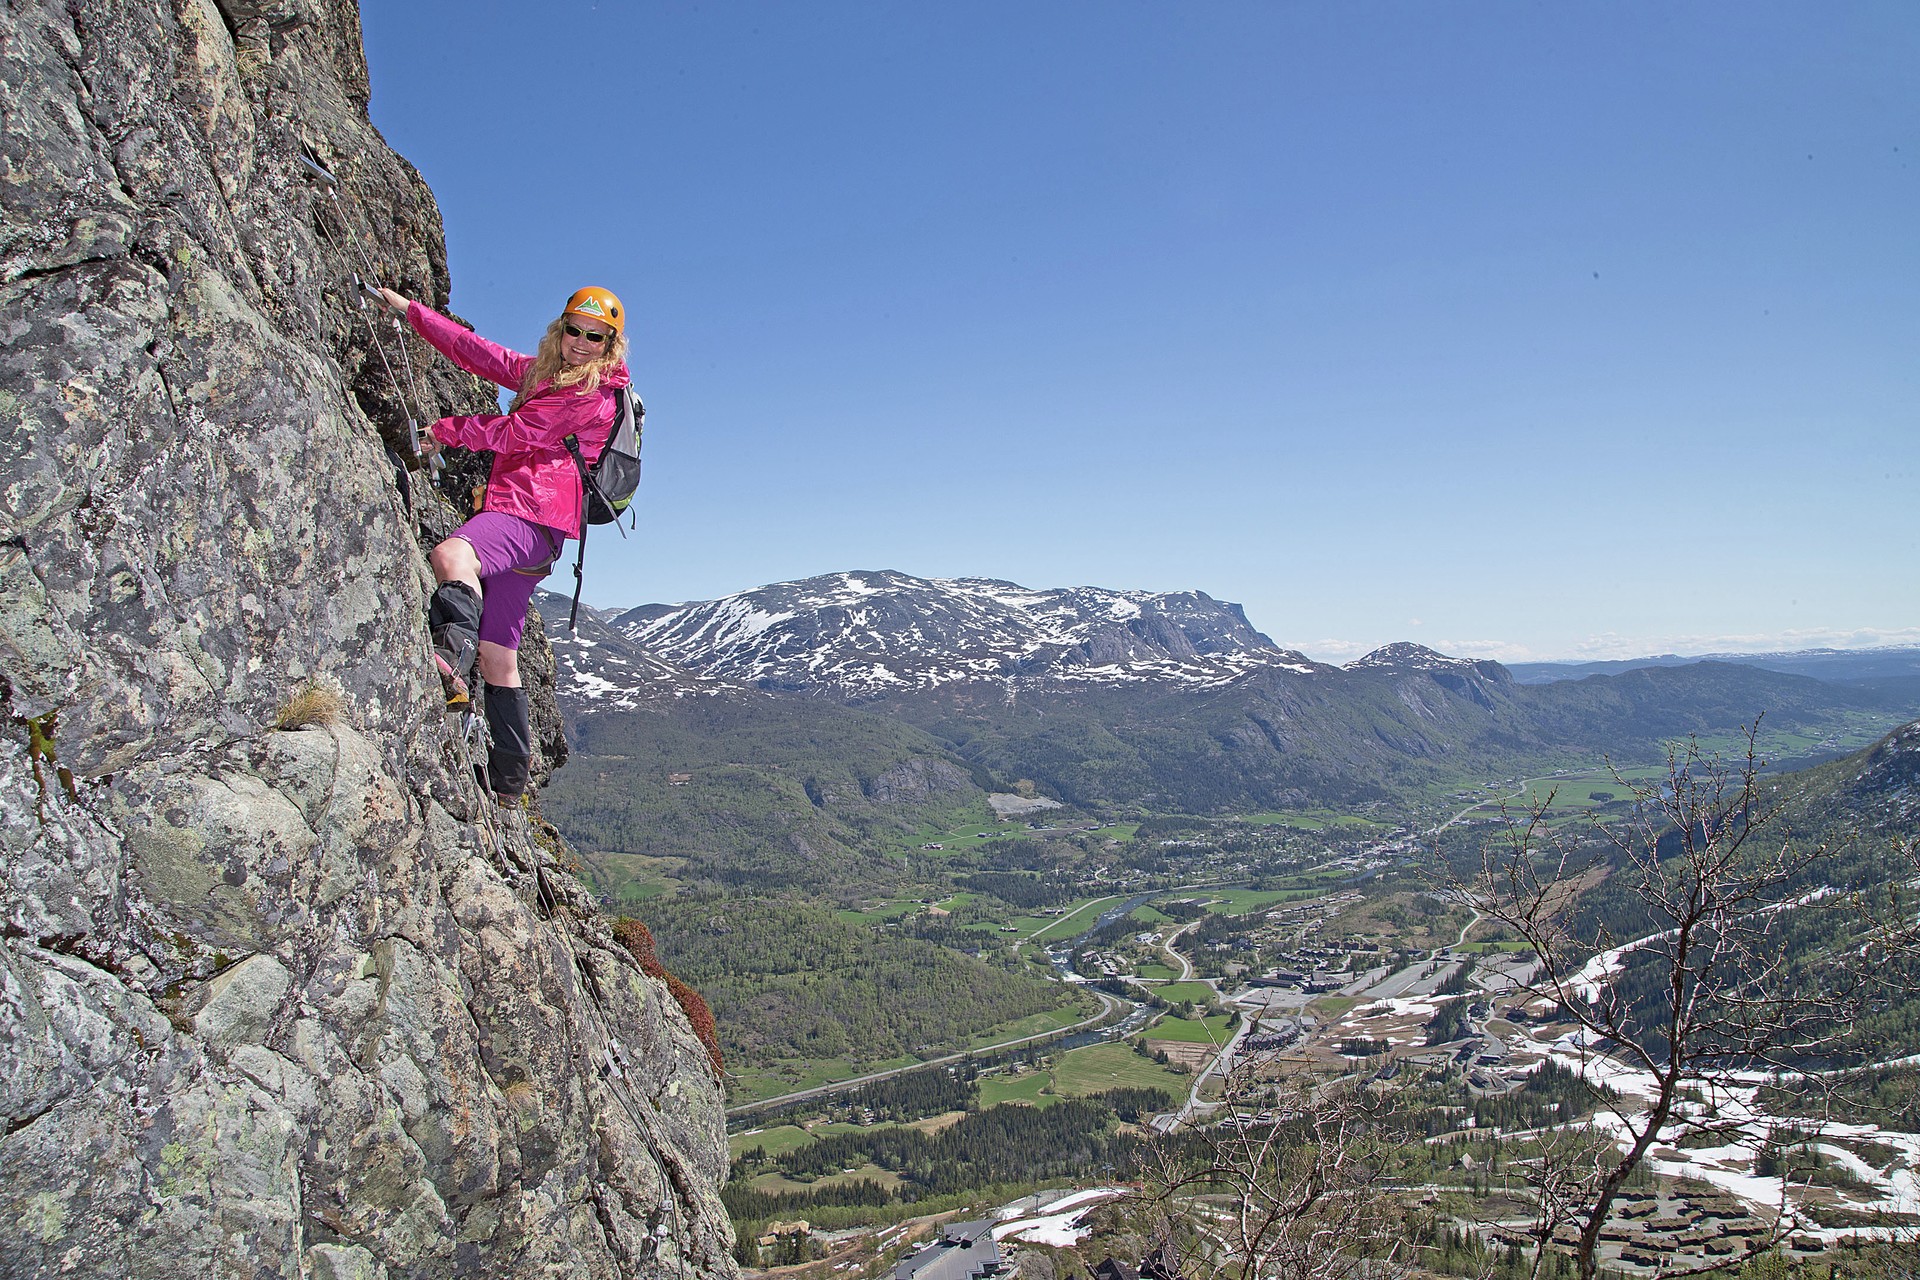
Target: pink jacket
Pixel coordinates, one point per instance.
(534, 477)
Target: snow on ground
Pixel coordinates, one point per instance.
(1397, 1007)
(1008, 805)
(1730, 1166)
(1059, 1225)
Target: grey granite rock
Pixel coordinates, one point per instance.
(280, 992)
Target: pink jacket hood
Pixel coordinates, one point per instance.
(534, 477)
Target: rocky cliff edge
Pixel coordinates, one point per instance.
(279, 994)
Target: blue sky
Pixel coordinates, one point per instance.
(1519, 330)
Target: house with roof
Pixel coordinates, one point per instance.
(965, 1251)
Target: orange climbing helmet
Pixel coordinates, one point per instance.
(595, 303)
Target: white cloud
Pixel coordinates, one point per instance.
(1334, 651)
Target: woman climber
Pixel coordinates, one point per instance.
(489, 567)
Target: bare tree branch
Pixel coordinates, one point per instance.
(1703, 986)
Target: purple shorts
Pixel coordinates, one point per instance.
(515, 555)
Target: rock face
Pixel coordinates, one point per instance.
(279, 993)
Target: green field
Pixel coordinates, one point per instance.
(1192, 1030)
(1198, 992)
(782, 1138)
(1093, 1068)
(1156, 972)
(632, 877)
(995, 1090)
(1847, 732)
(1573, 785)
(791, 1075)
(1576, 791)
(978, 825)
(1099, 1067)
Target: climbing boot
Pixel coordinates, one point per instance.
(510, 754)
(453, 616)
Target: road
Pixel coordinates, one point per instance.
(1481, 804)
(1186, 965)
(1467, 928)
(1221, 1064)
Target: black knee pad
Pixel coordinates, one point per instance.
(511, 728)
(453, 616)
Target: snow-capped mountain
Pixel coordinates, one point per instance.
(1414, 667)
(1404, 655)
(599, 667)
(871, 633)
(1100, 697)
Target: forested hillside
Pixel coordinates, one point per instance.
(1829, 859)
(788, 980)
(759, 795)
(1277, 738)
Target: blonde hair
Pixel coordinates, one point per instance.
(549, 365)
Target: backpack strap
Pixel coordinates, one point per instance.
(588, 485)
(580, 562)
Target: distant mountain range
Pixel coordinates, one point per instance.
(1846, 666)
(925, 691)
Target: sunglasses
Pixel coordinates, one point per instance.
(595, 338)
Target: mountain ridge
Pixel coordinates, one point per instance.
(872, 632)
(1880, 662)
(1115, 700)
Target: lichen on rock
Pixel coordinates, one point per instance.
(279, 994)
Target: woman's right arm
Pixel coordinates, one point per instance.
(464, 347)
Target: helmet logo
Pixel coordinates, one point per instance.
(590, 307)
